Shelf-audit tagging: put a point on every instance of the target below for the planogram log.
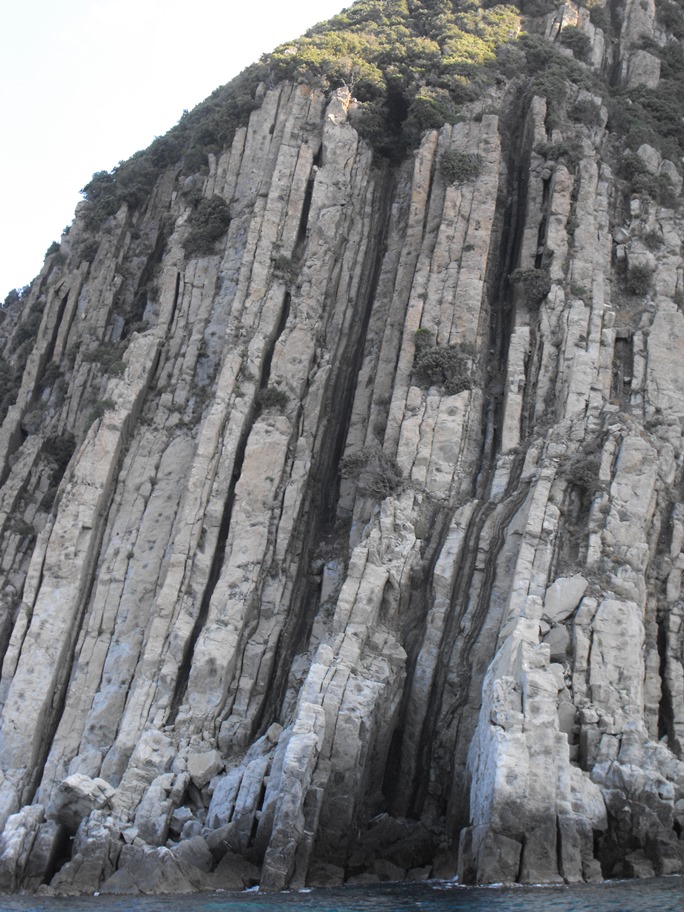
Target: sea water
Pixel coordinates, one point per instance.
(663, 894)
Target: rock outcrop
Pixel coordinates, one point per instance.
(280, 605)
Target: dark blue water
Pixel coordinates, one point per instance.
(664, 894)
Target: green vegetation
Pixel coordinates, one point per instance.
(271, 398)
(459, 167)
(670, 15)
(640, 180)
(585, 112)
(59, 448)
(10, 381)
(654, 116)
(583, 473)
(108, 356)
(207, 128)
(285, 267)
(208, 222)
(377, 475)
(600, 17)
(653, 239)
(435, 365)
(413, 65)
(97, 411)
(639, 278)
(410, 63)
(579, 43)
(536, 284)
(568, 151)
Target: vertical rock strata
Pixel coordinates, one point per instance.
(225, 659)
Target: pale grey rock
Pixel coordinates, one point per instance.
(179, 818)
(558, 641)
(16, 846)
(563, 597)
(154, 872)
(76, 797)
(202, 767)
(194, 851)
(94, 858)
(650, 157)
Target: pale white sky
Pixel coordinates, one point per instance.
(85, 83)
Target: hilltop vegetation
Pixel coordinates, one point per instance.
(413, 65)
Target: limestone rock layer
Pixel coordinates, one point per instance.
(279, 608)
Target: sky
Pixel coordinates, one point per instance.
(86, 83)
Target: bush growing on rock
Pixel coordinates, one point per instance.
(435, 365)
(97, 411)
(586, 112)
(377, 474)
(423, 339)
(10, 381)
(580, 44)
(569, 151)
(207, 224)
(600, 17)
(108, 356)
(671, 16)
(270, 397)
(639, 278)
(536, 284)
(583, 473)
(60, 448)
(653, 239)
(459, 167)
(285, 267)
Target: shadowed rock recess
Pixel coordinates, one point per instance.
(342, 497)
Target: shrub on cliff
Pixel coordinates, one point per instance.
(59, 448)
(579, 43)
(377, 474)
(670, 16)
(568, 151)
(583, 473)
(536, 284)
(586, 112)
(270, 397)
(639, 278)
(10, 381)
(445, 366)
(459, 167)
(209, 221)
(285, 267)
(97, 411)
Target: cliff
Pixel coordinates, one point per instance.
(342, 502)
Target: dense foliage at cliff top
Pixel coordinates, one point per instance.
(413, 65)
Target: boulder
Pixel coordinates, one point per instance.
(204, 766)
(75, 798)
(562, 598)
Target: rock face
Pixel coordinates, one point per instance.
(228, 660)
